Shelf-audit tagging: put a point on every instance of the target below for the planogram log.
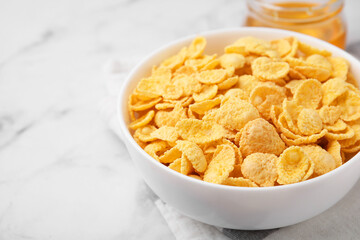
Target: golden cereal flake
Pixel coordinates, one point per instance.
(334, 148)
(175, 61)
(237, 93)
(193, 153)
(260, 136)
(292, 165)
(137, 105)
(349, 103)
(166, 133)
(338, 126)
(199, 131)
(176, 165)
(268, 70)
(309, 122)
(200, 62)
(228, 83)
(293, 85)
(353, 141)
(340, 67)
(318, 73)
(332, 89)
(233, 114)
(186, 166)
(234, 60)
(204, 106)
(221, 165)
(239, 182)
(144, 133)
(260, 168)
(324, 162)
(252, 45)
(309, 50)
(170, 155)
(248, 83)
(330, 114)
(188, 83)
(207, 92)
(295, 75)
(264, 96)
(164, 106)
(155, 149)
(166, 118)
(172, 92)
(304, 139)
(142, 121)
(341, 135)
(212, 76)
(294, 46)
(308, 94)
(211, 65)
(320, 61)
(282, 46)
(197, 47)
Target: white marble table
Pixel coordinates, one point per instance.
(60, 173)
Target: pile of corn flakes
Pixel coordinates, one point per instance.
(261, 114)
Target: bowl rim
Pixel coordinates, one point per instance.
(126, 136)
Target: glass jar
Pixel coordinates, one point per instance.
(318, 18)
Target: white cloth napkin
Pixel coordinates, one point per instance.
(340, 222)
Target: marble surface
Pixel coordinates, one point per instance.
(63, 173)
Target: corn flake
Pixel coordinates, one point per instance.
(155, 149)
(332, 89)
(170, 155)
(142, 121)
(320, 61)
(264, 96)
(268, 70)
(324, 162)
(340, 67)
(186, 166)
(228, 83)
(198, 131)
(193, 153)
(196, 48)
(233, 114)
(144, 133)
(334, 148)
(308, 94)
(330, 114)
(165, 118)
(260, 136)
(212, 76)
(221, 165)
(292, 165)
(166, 133)
(309, 50)
(204, 106)
(309, 122)
(188, 83)
(318, 73)
(239, 182)
(260, 168)
(234, 60)
(175, 61)
(303, 139)
(207, 92)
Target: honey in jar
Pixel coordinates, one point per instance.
(318, 18)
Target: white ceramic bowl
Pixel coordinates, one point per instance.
(237, 207)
